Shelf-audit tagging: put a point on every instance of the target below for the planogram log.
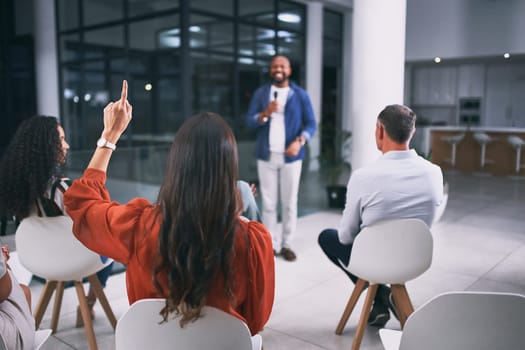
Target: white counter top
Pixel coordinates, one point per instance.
(476, 128)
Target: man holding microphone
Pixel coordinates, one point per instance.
(282, 114)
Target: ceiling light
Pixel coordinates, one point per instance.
(148, 87)
(289, 17)
(437, 59)
(506, 55)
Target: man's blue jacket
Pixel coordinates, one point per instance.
(298, 119)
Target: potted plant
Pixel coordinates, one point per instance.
(335, 169)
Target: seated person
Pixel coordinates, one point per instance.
(192, 247)
(30, 180)
(399, 185)
(17, 325)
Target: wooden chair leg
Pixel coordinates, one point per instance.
(101, 296)
(43, 301)
(58, 304)
(86, 315)
(403, 304)
(365, 313)
(354, 297)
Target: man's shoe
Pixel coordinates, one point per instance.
(379, 315)
(288, 254)
(392, 306)
(275, 253)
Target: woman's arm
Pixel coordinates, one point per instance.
(117, 116)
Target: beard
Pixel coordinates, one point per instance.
(279, 78)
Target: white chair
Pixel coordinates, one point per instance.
(453, 140)
(483, 139)
(463, 321)
(517, 143)
(389, 252)
(47, 247)
(141, 328)
(41, 336)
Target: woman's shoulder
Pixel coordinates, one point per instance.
(255, 231)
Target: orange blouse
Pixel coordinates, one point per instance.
(128, 233)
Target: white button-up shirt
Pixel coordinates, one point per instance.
(399, 185)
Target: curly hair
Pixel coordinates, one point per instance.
(199, 204)
(29, 164)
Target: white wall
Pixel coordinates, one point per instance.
(464, 28)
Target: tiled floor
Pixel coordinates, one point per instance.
(478, 245)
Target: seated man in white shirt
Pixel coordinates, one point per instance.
(398, 185)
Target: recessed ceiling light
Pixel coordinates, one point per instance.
(289, 17)
(437, 59)
(148, 87)
(506, 55)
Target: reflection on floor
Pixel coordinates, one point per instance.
(479, 245)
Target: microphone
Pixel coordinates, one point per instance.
(275, 95)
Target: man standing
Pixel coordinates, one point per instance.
(282, 114)
(399, 185)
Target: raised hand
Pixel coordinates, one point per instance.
(117, 116)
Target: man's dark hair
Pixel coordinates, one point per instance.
(399, 122)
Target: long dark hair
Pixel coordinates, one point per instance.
(200, 205)
(29, 164)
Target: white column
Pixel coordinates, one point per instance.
(46, 58)
(378, 47)
(314, 71)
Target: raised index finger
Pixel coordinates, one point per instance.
(124, 95)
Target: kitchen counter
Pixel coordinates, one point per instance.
(500, 157)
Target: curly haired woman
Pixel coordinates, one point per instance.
(192, 247)
(30, 180)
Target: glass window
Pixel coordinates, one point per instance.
(211, 33)
(70, 47)
(108, 38)
(257, 11)
(292, 46)
(212, 82)
(147, 7)
(291, 16)
(332, 24)
(152, 34)
(223, 7)
(256, 41)
(68, 14)
(96, 12)
(168, 63)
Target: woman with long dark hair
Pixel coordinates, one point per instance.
(191, 247)
(30, 177)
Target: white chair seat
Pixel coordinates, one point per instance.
(463, 320)
(141, 328)
(47, 248)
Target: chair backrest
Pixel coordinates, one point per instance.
(393, 251)
(140, 328)
(467, 321)
(47, 247)
(41, 336)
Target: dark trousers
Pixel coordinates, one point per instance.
(339, 254)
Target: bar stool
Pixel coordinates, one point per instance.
(453, 140)
(483, 139)
(517, 143)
